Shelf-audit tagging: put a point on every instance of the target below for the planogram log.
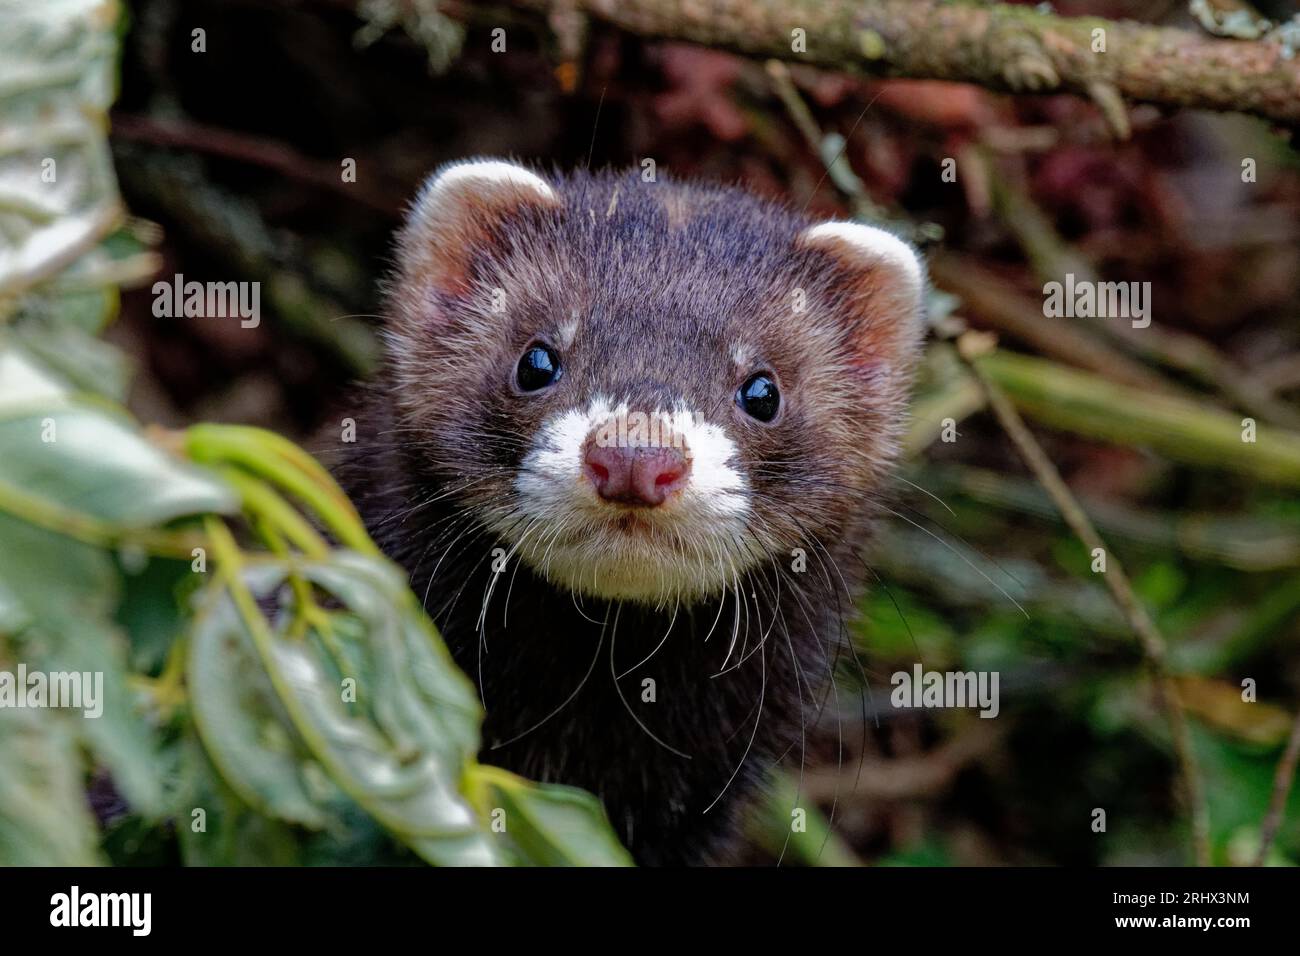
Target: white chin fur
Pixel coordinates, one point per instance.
(697, 543)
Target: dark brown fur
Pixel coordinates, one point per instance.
(665, 281)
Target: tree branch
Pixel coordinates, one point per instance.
(1016, 49)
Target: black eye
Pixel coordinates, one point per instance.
(539, 367)
(759, 397)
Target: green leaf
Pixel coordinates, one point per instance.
(216, 828)
(77, 356)
(153, 610)
(44, 820)
(84, 460)
(89, 467)
(1090, 405)
(58, 191)
(403, 749)
(13, 616)
(770, 822)
(239, 719)
(65, 590)
(550, 825)
(1239, 786)
(399, 750)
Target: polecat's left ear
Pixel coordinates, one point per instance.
(880, 282)
(457, 211)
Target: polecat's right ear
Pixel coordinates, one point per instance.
(458, 210)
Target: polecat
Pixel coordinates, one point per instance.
(626, 443)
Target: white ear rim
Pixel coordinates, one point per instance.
(485, 175)
(871, 246)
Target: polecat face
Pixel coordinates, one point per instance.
(645, 389)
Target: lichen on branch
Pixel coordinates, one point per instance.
(1017, 49)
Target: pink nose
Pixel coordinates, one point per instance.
(636, 476)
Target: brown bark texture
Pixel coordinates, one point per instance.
(1016, 49)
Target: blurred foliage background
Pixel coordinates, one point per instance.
(231, 158)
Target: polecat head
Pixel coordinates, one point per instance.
(648, 389)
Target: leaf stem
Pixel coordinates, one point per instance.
(91, 530)
(287, 466)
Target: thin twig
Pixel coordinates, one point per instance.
(969, 346)
(1053, 258)
(996, 302)
(838, 169)
(835, 164)
(254, 150)
(1283, 778)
